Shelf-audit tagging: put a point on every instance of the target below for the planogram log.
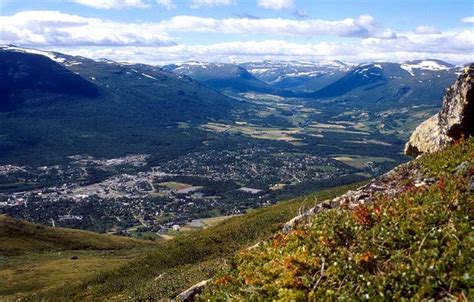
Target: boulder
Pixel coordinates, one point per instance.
(189, 294)
(455, 120)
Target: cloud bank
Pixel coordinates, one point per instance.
(410, 48)
(52, 28)
(357, 39)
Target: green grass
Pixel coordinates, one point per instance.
(33, 273)
(418, 246)
(360, 162)
(20, 237)
(175, 265)
(35, 258)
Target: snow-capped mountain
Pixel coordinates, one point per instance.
(221, 76)
(205, 71)
(412, 81)
(54, 76)
(310, 76)
(51, 55)
(286, 74)
(270, 71)
(382, 83)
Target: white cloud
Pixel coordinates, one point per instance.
(55, 28)
(168, 4)
(51, 27)
(426, 30)
(211, 3)
(276, 4)
(469, 19)
(363, 26)
(454, 45)
(113, 4)
(412, 47)
(152, 43)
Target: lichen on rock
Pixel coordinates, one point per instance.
(455, 120)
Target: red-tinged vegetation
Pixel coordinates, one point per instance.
(362, 215)
(416, 246)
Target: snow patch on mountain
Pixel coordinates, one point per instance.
(408, 68)
(50, 55)
(148, 76)
(430, 65)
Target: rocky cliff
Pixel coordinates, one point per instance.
(454, 121)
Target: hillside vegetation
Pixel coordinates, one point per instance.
(418, 245)
(177, 264)
(20, 237)
(36, 258)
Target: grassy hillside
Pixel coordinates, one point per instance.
(177, 264)
(417, 246)
(21, 237)
(35, 258)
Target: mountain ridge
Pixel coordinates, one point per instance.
(34, 74)
(128, 104)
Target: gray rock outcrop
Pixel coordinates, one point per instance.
(388, 186)
(455, 120)
(189, 294)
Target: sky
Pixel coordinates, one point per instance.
(175, 31)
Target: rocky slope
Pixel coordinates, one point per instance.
(454, 121)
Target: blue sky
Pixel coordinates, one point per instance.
(163, 31)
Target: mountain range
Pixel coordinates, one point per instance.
(56, 105)
(324, 79)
